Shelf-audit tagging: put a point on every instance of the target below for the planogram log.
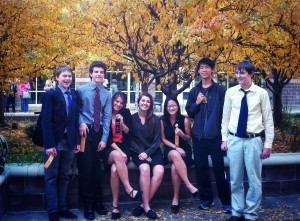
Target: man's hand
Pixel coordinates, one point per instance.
(51, 151)
(77, 148)
(200, 98)
(83, 130)
(266, 152)
(224, 146)
(101, 145)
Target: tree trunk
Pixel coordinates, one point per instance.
(277, 109)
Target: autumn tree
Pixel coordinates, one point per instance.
(38, 36)
(140, 34)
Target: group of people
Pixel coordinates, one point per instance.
(10, 96)
(24, 92)
(100, 129)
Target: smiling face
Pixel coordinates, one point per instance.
(97, 75)
(172, 107)
(118, 104)
(64, 79)
(144, 103)
(244, 78)
(205, 71)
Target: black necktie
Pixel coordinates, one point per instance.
(69, 101)
(97, 110)
(242, 124)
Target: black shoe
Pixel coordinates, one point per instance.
(196, 194)
(100, 208)
(138, 194)
(151, 214)
(67, 214)
(227, 209)
(206, 204)
(53, 216)
(235, 218)
(138, 211)
(115, 215)
(175, 208)
(89, 213)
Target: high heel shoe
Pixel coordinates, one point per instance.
(196, 194)
(138, 195)
(115, 215)
(175, 208)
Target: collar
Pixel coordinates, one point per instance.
(63, 89)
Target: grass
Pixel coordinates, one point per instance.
(22, 150)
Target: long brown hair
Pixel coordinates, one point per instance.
(149, 117)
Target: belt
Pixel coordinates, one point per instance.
(249, 135)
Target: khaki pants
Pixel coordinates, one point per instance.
(245, 153)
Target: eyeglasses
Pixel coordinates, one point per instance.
(172, 105)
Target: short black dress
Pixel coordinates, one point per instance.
(169, 131)
(141, 142)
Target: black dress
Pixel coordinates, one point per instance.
(141, 142)
(169, 131)
(125, 145)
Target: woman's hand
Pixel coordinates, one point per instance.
(181, 151)
(119, 116)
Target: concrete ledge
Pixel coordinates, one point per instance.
(280, 176)
(37, 169)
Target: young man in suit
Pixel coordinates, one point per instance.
(59, 120)
(94, 120)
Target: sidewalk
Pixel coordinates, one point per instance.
(283, 208)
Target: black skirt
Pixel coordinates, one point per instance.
(157, 158)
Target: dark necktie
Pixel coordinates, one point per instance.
(69, 101)
(242, 124)
(97, 110)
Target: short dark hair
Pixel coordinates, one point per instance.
(61, 69)
(246, 65)
(98, 64)
(206, 61)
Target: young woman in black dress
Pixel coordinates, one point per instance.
(178, 154)
(146, 152)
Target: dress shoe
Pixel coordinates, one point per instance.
(53, 216)
(196, 194)
(115, 215)
(175, 208)
(67, 214)
(227, 209)
(137, 196)
(138, 211)
(151, 214)
(235, 218)
(206, 204)
(100, 208)
(89, 212)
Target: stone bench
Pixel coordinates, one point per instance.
(25, 183)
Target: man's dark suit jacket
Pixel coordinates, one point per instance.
(55, 119)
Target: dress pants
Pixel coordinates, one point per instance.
(245, 152)
(57, 180)
(90, 169)
(202, 148)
